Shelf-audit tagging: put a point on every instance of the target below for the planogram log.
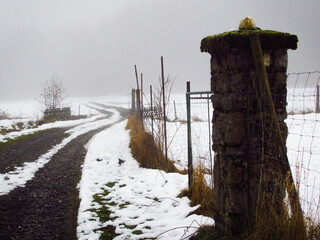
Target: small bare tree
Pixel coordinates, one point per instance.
(53, 93)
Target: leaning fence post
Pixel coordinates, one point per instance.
(137, 81)
(317, 100)
(133, 100)
(190, 164)
(265, 93)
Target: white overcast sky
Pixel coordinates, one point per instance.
(93, 45)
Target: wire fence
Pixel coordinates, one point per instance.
(302, 129)
(303, 141)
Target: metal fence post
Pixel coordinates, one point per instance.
(190, 164)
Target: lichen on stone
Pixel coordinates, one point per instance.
(270, 40)
(247, 23)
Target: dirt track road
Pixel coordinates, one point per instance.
(47, 207)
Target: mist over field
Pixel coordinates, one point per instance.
(94, 45)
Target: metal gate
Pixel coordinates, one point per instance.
(199, 116)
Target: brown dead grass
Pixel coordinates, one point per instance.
(145, 150)
(200, 193)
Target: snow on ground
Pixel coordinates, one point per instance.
(20, 175)
(71, 123)
(31, 109)
(144, 201)
(303, 144)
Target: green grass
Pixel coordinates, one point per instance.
(9, 142)
(104, 212)
(128, 226)
(124, 205)
(137, 232)
(111, 184)
(108, 232)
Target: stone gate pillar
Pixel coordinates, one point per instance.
(246, 165)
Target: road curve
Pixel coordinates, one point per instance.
(47, 206)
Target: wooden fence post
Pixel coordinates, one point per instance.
(164, 112)
(277, 136)
(317, 100)
(151, 102)
(141, 98)
(133, 100)
(135, 68)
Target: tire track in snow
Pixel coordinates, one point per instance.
(18, 177)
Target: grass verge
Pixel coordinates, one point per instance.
(104, 212)
(9, 142)
(145, 150)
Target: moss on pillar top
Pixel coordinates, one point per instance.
(270, 40)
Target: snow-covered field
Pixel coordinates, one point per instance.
(143, 201)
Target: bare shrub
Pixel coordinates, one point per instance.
(4, 115)
(53, 93)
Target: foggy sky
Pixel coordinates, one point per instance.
(94, 45)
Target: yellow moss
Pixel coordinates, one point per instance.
(247, 23)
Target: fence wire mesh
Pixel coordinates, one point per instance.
(303, 141)
(199, 118)
(303, 134)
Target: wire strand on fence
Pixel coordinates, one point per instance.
(303, 123)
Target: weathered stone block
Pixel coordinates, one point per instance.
(280, 60)
(229, 128)
(235, 101)
(229, 82)
(236, 175)
(236, 203)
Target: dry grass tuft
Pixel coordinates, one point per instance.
(200, 194)
(145, 150)
(270, 225)
(197, 119)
